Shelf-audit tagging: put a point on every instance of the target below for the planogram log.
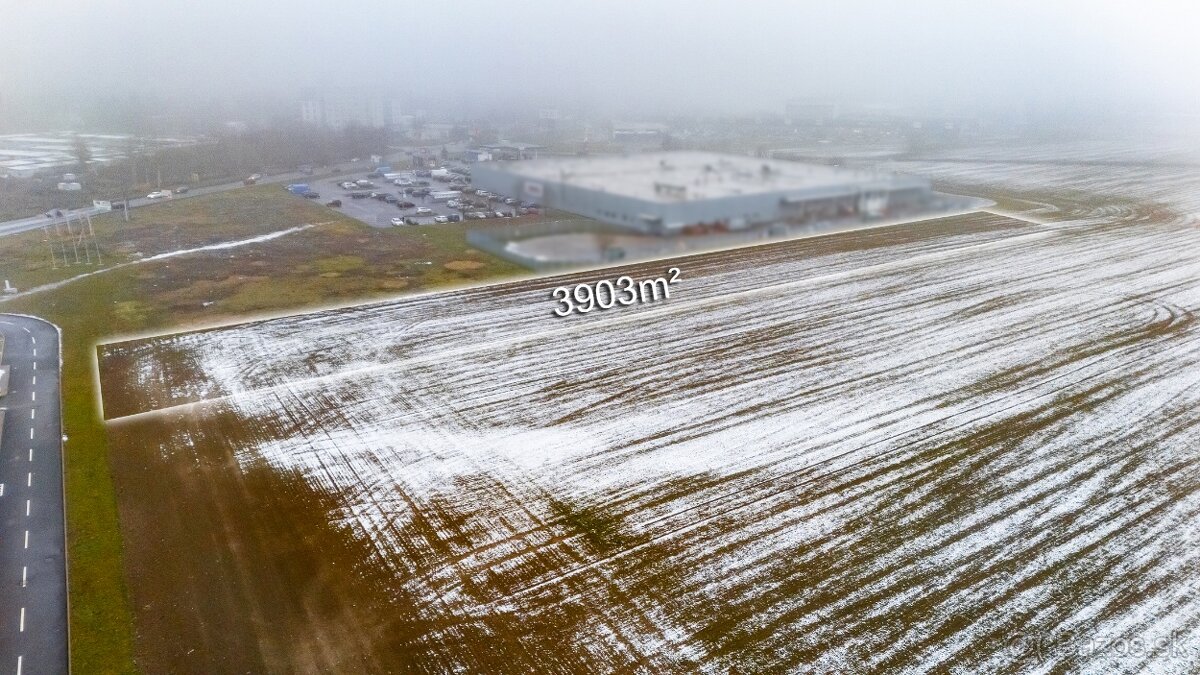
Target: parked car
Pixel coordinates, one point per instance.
(311, 195)
(409, 220)
(181, 190)
(405, 204)
(391, 199)
(453, 203)
(397, 221)
(510, 201)
(158, 194)
(359, 195)
(501, 214)
(424, 211)
(335, 203)
(421, 192)
(441, 219)
(455, 217)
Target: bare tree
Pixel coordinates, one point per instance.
(82, 153)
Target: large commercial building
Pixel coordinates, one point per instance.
(667, 192)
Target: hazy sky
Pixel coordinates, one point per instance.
(650, 54)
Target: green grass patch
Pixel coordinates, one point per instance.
(283, 274)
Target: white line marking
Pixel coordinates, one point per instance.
(31, 434)
(33, 340)
(26, 538)
(19, 658)
(29, 479)
(22, 621)
(35, 351)
(33, 395)
(32, 414)
(24, 575)
(31, 454)
(35, 380)
(26, 508)
(35, 365)
(1, 489)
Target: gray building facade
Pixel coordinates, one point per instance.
(668, 192)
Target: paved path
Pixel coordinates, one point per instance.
(33, 578)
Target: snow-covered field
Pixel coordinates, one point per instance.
(973, 445)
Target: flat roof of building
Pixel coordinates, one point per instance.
(672, 177)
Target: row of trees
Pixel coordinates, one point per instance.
(230, 156)
(222, 157)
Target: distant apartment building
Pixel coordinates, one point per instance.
(338, 111)
(804, 111)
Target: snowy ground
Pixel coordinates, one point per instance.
(975, 450)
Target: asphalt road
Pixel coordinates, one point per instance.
(33, 578)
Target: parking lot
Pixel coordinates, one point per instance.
(379, 213)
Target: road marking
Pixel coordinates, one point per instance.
(35, 380)
(26, 508)
(35, 365)
(31, 454)
(32, 414)
(31, 434)
(35, 351)
(24, 575)
(29, 479)
(33, 340)
(26, 538)
(22, 621)
(1, 489)
(19, 658)
(33, 394)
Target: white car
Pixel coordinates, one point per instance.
(156, 195)
(424, 211)
(397, 221)
(441, 219)
(402, 182)
(453, 203)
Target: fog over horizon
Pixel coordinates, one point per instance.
(657, 57)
